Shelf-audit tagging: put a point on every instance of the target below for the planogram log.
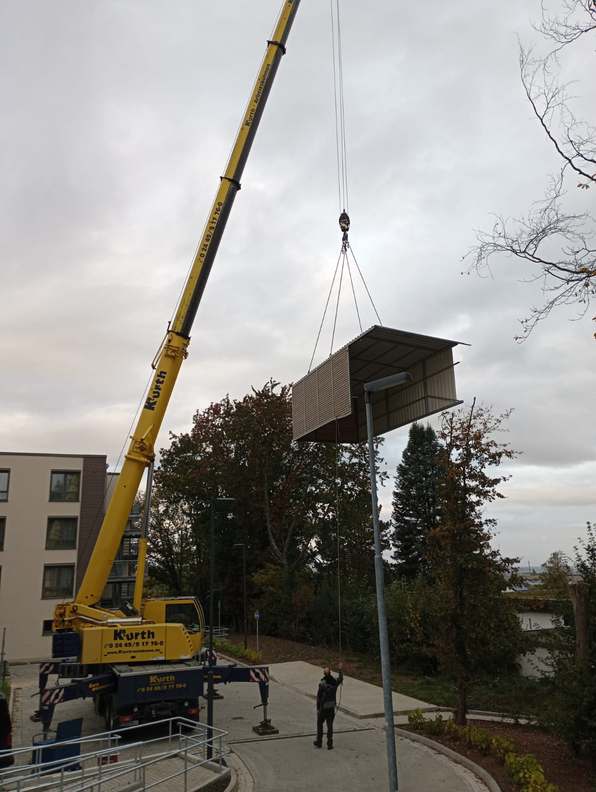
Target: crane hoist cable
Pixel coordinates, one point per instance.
(346, 252)
(345, 260)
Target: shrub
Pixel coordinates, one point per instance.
(416, 720)
(527, 773)
(238, 651)
(525, 770)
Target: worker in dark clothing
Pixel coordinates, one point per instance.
(326, 704)
(6, 760)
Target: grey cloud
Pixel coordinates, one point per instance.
(118, 121)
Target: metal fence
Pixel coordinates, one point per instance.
(121, 760)
(218, 632)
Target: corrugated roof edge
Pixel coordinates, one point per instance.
(449, 341)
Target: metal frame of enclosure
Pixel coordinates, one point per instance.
(328, 403)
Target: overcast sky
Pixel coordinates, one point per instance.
(117, 119)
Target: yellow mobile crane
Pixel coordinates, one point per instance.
(168, 631)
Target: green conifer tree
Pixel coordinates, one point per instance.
(415, 500)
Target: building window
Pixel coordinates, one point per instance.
(129, 548)
(58, 580)
(61, 533)
(65, 485)
(2, 531)
(46, 627)
(116, 593)
(4, 482)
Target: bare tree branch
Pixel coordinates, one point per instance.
(546, 98)
(561, 244)
(568, 278)
(577, 17)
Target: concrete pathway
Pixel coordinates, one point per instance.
(291, 763)
(359, 699)
(24, 683)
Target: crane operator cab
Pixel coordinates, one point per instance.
(186, 611)
(175, 610)
(167, 629)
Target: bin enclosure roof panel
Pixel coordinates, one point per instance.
(328, 403)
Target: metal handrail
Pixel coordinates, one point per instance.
(189, 745)
(76, 740)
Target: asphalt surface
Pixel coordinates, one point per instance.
(289, 761)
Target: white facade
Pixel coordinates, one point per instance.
(27, 561)
(531, 621)
(536, 663)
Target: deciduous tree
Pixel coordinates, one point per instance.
(473, 625)
(571, 708)
(554, 577)
(287, 496)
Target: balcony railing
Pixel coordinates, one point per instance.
(123, 570)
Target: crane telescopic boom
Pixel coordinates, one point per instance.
(174, 347)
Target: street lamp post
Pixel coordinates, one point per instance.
(244, 609)
(217, 504)
(371, 387)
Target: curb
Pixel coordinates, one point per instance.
(496, 717)
(233, 785)
(505, 716)
(366, 716)
(215, 783)
(478, 771)
(242, 779)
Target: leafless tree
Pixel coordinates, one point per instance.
(561, 244)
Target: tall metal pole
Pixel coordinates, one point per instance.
(382, 618)
(244, 596)
(210, 662)
(244, 602)
(2, 655)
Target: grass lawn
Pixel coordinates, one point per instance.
(511, 694)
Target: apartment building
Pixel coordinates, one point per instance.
(121, 583)
(51, 508)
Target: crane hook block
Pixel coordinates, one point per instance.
(344, 222)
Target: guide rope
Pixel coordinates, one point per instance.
(337, 536)
(342, 265)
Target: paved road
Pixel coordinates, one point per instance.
(290, 762)
(24, 681)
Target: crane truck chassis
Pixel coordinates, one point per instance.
(128, 695)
